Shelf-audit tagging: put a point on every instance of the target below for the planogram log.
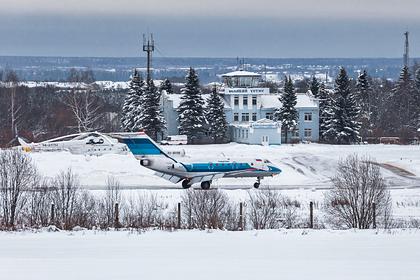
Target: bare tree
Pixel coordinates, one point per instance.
(12, 82)
(206, 209)
(85, 108)
(357, 186)
(39, 203)
(66, 186)
(142, 211)
(112, 196)
(17, 175)
(264, 209)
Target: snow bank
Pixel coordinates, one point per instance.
(271, 254)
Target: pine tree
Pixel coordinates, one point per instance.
(150, 118)
(287, 114)
(417, 99)
(314, 87)
(216, 117)
(363, 95)
(343, 125)
(132, 102)
(402, 102)
(166, 86)
(324, 108)
(191, 111)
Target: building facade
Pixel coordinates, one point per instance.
(250, 109)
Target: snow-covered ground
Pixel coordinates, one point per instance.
(307, 169)
(270, 254)
(303, 165)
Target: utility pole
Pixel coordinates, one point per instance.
(406, 49)
(148, 47)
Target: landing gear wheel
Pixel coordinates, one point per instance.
(257, 184)
(186, 184)
(205, 185)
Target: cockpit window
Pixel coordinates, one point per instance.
(267, 161)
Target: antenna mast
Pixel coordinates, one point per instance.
(148, 47)
(406, 49)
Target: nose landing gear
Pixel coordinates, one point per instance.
(257, 184)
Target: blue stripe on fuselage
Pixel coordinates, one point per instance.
(216, 167)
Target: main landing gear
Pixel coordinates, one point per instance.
(186, 184)
(205, 185)
(257, 184)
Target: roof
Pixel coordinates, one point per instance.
(241, 73)
(303, 101)
(176, 99)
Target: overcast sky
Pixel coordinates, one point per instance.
(230, 28)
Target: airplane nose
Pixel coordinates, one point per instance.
(275, 170)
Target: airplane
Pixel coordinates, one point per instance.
(151, 156)
(89, 143)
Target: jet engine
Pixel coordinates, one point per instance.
(145, 162)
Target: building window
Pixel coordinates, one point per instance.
(236, 117)
(246, 134)
(245, 117)
(245, 100)
(295, 133)
(243, 133)
(308, 133)
(236, 100)
(254, 117)
(308, 117)
(254, 100)
(269, 116)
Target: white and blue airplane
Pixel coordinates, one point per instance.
(151, 156)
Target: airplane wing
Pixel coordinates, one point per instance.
(172, 178)
(210, 177)
(196, 179)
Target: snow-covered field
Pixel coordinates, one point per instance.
(270, 254)
(303, 165)
(307, 169)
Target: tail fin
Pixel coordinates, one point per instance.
(22, 142)
(141, 145)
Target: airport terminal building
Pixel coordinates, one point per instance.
(250, 109)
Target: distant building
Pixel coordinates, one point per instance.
(249, 111)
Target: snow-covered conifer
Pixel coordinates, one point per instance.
(314, 86)
(287, 114)
(150, 118)
(363, 95)
(324, 98)
(216, 117)
(402, 101)
(132, 102)
(343, 125)
(166, 86)
(191, 109)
